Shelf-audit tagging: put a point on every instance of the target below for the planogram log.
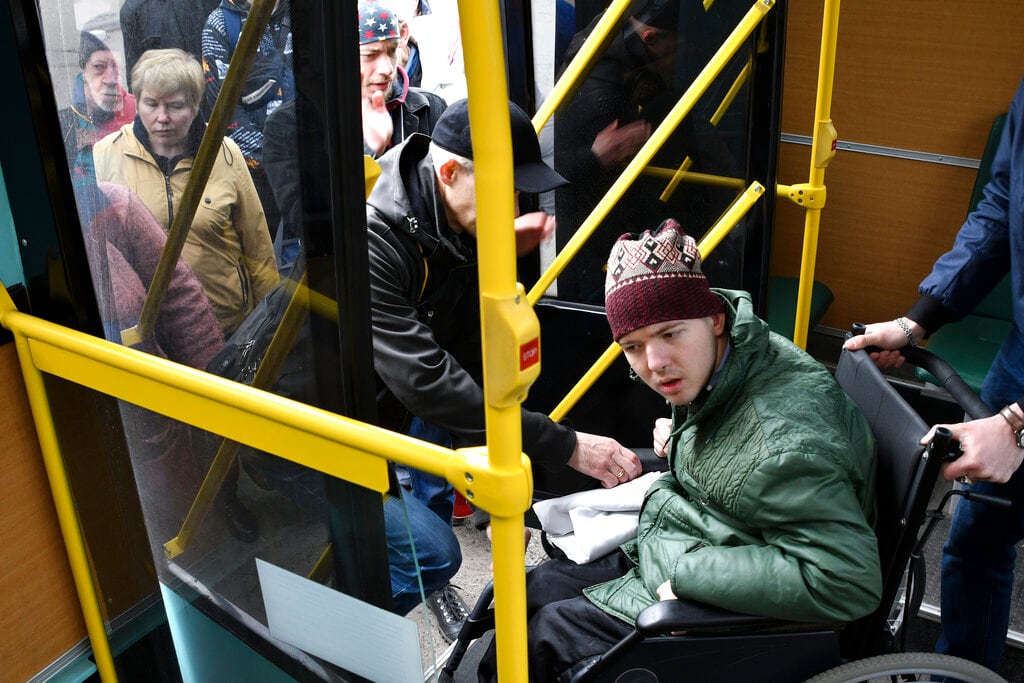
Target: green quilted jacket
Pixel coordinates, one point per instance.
(769, 504)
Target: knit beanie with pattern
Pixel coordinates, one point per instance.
(655, 277)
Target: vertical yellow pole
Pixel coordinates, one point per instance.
(492, 158)
(822, 151)
(70, 528)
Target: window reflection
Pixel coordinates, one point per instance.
(651, 60)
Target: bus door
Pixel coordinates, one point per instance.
(156, 491)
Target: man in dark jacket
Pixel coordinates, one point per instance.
(425, 298)
(980, 555)
(768, 504)
(424, 293)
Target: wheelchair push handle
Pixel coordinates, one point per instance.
(944, 446)
(940, 370)
(947, 449)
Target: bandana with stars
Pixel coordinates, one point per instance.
(376, 23)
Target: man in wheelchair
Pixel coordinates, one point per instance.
(769, 503)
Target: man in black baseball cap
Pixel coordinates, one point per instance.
(424, 298)
(531, 173)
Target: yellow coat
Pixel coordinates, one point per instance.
(228, 246)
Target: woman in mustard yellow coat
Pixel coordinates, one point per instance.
(228, 245)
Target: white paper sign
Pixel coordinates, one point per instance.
(355, 635)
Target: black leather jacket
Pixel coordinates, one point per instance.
(425, 312)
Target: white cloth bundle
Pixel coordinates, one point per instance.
(589, 524)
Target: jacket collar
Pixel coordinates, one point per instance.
(409, 191)
(748, 344)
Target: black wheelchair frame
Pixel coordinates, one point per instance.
(718, 645)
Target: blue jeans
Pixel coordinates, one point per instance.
(979, 556)
(433, 491)
(437, 551)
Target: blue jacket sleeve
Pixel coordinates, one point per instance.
(981, 253)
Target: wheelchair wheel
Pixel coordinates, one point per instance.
(909, 666)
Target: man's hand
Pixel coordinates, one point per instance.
(665, 591)
(989, 449)
(531, 229)
(616, 144)
(889, 336)
(662, 432)
(604, 459)
(377, 124)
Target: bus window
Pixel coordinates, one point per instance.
(210, 507)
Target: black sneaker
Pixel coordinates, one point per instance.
(449, 610)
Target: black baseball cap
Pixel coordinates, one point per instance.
(530, 173)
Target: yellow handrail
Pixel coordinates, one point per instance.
(715, 119)
(580, 65)
(67, 515)
(330, 443)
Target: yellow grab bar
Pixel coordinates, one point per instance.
(823, 148)
(508, 325)
(581, 64)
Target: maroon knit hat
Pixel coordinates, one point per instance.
(655, 277)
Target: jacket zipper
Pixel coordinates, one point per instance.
(170, 200)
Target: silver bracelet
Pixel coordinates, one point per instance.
(902, 322)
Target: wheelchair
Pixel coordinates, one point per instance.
(719, 645)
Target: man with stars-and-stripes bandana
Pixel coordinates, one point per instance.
(392, 109)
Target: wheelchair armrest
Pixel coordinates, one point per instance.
(671, 616)
(650, 461)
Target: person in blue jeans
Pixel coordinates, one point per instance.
(434, 556)
(980, 554)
